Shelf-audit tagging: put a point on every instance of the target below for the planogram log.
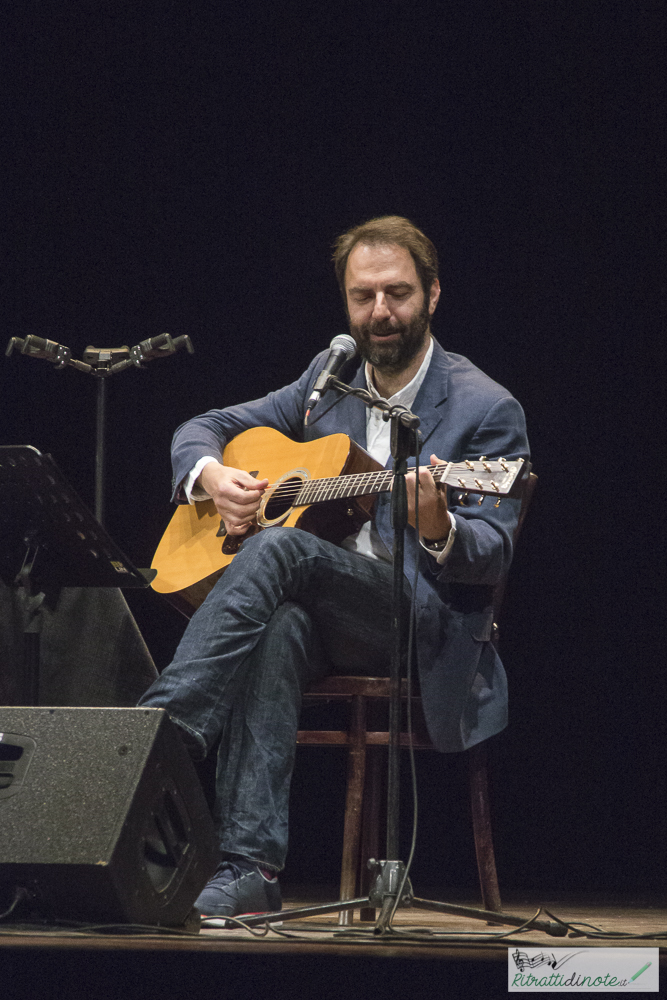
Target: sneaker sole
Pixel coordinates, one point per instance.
(227, 923)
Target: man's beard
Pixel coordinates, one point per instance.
(394, 356)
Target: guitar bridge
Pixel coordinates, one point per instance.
(233, 543)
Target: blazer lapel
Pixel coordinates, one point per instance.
(356, 410)
(432, 393)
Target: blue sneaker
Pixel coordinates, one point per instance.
(238, 888)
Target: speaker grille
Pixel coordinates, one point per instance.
(99, 802)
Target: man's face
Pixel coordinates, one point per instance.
(389, 313)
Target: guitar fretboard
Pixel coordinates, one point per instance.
(490, 477)
(357, 485)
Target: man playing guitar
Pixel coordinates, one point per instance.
(292, 607)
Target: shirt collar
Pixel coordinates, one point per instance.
(407, 395)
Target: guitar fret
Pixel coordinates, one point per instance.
(356, 484)
(379, 481)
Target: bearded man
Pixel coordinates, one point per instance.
(292, 608)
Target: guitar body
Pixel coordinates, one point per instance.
(192, 554)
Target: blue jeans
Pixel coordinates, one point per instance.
(289, 610)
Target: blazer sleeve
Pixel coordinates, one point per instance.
(483, 546)
(209, 433)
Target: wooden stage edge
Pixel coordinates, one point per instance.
(321, 935)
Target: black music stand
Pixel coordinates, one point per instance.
(48, 540)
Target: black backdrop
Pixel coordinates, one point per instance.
(185, 168)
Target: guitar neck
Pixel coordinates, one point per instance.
(490, 477)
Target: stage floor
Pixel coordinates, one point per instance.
(418, 933)
(309, 959)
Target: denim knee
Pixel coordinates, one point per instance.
(284, 541)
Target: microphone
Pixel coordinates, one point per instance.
(341, 349)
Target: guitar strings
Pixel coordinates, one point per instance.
(291, 488)
(351, 481)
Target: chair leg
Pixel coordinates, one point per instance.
(356, 772)
(370, 828)
(481, 821)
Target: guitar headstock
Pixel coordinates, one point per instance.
(491, 477)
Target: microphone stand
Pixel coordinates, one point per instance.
(101, 362)
(390, 877)
(391, 887)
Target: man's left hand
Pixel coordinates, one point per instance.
(434, 523)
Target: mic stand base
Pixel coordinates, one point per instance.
(383, 894)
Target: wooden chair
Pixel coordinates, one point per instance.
(361, 835)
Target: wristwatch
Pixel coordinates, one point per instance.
(436, 546)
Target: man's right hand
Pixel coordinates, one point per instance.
(235, 493)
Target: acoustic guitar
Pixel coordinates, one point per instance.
(327, 486)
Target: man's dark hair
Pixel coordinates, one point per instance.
(384, 230)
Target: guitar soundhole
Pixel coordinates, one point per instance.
(282, 498)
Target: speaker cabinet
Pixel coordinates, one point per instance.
(102, 817)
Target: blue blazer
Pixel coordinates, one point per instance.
(464, 414)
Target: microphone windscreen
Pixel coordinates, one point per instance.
(346, 343)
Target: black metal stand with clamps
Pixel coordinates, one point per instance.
(102, 362)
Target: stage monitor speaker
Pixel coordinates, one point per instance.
(102, 817)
